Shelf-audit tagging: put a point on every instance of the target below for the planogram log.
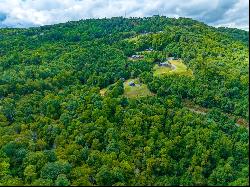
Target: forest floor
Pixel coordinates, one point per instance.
(179, 68)
(203, 111)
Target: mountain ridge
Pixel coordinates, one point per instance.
(82, 103)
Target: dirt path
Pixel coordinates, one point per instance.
(173, 68)
(196, 111)
(203, 111)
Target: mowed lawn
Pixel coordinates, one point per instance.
(139, 90)
(180, 68)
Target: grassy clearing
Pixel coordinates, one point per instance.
(180, 69)
(134, 39)
(139, 90)
(103, 91)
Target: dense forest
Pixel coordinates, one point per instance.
(57, 129)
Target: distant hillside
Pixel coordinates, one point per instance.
(236, 34)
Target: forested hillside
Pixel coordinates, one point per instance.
(139, 101)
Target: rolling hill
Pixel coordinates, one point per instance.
(57, 127)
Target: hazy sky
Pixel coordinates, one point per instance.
(25, 13)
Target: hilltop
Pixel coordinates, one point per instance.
(138, 101)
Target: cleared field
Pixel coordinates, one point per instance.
(179, 68)
(139, 90)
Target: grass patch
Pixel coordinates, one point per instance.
(180, 68)
(134, 39)
(139, 90)
(103, 91)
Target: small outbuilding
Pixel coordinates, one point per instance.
(122, 79)
(131, 83)
(149, 49)
(170, 58)
(137, 56)
(165, 64)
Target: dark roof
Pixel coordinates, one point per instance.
(131, 83)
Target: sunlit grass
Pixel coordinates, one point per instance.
(103, 91)
(180, 68)
(139, 90)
